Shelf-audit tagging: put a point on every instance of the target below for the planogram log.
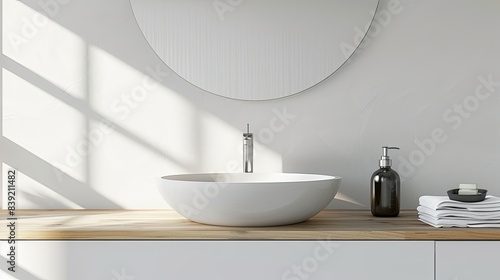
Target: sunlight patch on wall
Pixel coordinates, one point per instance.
(131, 98)
(43, 125)
(128, 172)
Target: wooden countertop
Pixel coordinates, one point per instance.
(168, 225)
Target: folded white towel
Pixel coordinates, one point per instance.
(440, 211)
(458, 213)
(436, 222)
(491, 203)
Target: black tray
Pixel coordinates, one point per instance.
(453, 195)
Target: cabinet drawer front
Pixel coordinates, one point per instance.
(289, 260)
(467, 260)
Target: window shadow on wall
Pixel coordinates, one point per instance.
(81, 192)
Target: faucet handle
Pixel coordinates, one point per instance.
(247, 134)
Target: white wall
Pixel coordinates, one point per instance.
(84, 77)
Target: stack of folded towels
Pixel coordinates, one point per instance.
(440, 211)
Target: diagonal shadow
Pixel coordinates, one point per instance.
(48, 175)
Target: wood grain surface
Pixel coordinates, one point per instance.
(168, 225)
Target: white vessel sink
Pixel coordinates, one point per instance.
(249, 199)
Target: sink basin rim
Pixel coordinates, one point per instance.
(250, 178)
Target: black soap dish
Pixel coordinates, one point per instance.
(480, 196)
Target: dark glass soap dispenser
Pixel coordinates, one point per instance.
(385, 188)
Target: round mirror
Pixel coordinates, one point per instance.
(254, 50)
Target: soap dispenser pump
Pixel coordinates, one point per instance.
(385, 188)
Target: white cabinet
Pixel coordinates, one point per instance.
(467, 260)
(285, 260)
(292, 260)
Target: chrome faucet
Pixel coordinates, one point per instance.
(248, 151)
